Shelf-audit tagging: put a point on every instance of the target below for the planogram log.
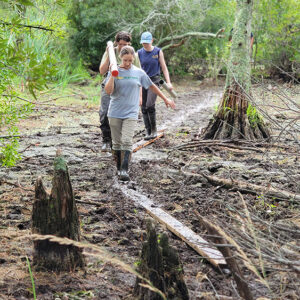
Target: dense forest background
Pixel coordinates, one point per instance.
(45, 43)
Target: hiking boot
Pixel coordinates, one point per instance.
(106, 147)
(147, 137)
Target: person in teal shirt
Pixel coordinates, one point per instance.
(124, 91)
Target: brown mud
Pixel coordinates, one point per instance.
(168, 174)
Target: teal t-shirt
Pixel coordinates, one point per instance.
(124, 101)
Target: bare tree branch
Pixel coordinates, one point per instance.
(39, 27)
(200, 35)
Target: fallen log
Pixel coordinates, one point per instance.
(253, 188)
(221, 145)
(232, 264)
(248, 187)
(98, 204)
(18, 185)
(196, 242)
(239, 144)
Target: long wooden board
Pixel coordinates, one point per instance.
(200, 245)
(143, 144)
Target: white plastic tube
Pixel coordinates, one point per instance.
(112, 59)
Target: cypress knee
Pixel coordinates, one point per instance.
(56, 214)
(160, 263)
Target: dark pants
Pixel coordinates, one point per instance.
(104, 123)
(149, 98)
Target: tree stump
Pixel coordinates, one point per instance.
(56, 214)
(236, 118)
(160, 263)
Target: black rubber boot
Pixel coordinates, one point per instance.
(147, 126)
(124, 167)
(152, 118)
(106, 133)
(117, 158)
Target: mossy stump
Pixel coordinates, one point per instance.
(236, 119)
(160, 263)
(56, 214)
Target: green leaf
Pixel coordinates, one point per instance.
(25, 2)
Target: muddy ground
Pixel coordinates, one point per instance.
(169, 172)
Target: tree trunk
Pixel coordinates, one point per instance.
(56, 214)
(160, 264)
(236, 118)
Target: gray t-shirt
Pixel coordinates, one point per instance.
(124, 101)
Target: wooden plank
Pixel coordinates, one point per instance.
(200, 245)
(143, 144)
(196, 242)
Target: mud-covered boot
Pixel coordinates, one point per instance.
(152, 118)
(147, 127)
(117, 158)
(124, 166)
(106, 146)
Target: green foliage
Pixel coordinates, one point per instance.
(94, 22)
(27, 55)
(90, 32)
(70, 73)
(203, 58)
(32, 279)
(10, 113)
(276, 29)
(9, 154)
(137, 263)
(253, 116)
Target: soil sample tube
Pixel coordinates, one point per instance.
(112, 59)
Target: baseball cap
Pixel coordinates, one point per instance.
(146, 37)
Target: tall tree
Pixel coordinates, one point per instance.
(236, 117)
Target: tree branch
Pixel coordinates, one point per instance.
(173, 45)
(201, 35)
(27, 26)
